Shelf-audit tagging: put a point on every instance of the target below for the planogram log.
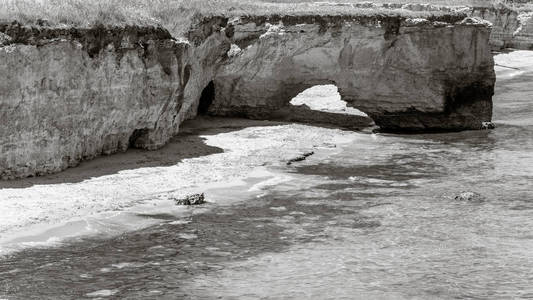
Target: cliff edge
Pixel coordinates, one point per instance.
(71, 94)
(407, 74)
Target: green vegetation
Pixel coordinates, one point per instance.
(176, 15)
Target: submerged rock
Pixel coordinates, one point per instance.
(488, 125)
(4, 39)
(195, 199)
(469, 196)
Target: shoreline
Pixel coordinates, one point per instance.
(209, 153)
(145, 213)
(243, 154)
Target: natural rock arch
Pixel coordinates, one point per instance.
(407, 74)
(323, 104)
(404, 79)
(325, 98)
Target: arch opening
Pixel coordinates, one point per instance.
(206, 99)
(324, 104)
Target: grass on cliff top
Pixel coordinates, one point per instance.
(176, 15)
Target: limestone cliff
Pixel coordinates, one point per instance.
(511, 28)
(407, 74)
(70, 94)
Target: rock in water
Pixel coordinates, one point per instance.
(469, 196)
(300, 158)
(4, 39)
(195, 199)
(488, 125)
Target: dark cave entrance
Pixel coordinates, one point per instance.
(206, 99)
(138, 137)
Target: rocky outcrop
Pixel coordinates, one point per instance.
(511, 28)
(523, 35)
(512, 25)
(407, 74)
(504, 23)
(195, 199)
(70, 94)
(469, 197)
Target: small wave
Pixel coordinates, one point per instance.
(127, 265)
(279, 208)
(102, 293)
(179, 222)
(375, 181)
(273, 181)
(503, 73)
(513, 64)
(188, 236)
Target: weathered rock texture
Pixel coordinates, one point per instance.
(67, 95)
(406, 74)
(511, 28)
(71, 95)
(512, 25)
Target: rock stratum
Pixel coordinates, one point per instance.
(71, 94)
(512, 26)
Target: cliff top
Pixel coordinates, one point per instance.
(178, 15)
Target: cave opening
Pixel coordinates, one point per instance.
(206, 99)
(324, 104)
(137, 138)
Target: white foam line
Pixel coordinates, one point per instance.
(47, 206)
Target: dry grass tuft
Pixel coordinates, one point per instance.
(176, 15)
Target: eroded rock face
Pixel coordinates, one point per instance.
(523, 35)
(511, 28)
(407, 74)
(68, 95)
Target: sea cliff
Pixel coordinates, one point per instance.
(71, 94)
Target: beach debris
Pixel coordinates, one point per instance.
(488, 125)
(469, 196)
(195, 199)
(300, 158)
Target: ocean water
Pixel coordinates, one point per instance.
(377, 218)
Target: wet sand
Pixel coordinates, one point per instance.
(103, 196)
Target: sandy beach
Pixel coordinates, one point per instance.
(103, 196)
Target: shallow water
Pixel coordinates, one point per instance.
(376, 219)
